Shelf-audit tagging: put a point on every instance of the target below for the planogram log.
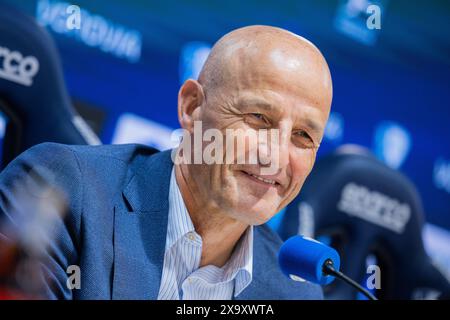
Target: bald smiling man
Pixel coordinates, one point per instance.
(138, 226)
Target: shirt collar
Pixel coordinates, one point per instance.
(179, 221)
(240, 264)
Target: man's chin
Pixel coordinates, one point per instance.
(256, 214)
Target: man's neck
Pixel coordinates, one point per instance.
(220, 233)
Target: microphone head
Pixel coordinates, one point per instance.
(302, 258)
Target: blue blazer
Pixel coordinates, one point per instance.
(115, 227)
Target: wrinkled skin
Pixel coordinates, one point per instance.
(256, 77)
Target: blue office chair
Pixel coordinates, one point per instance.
(368, 213)
(33, 96)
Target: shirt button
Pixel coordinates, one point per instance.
(191, 236)
(190, 280)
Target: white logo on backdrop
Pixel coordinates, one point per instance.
(392, 143)
(17, 68)
(131, 128)
(91, 29)
(305, 219)
(374, 207)
(441, 174)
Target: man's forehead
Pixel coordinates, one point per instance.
(258, 56)
(261, 59)
(306, 76)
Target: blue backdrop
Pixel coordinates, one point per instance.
(391, 86)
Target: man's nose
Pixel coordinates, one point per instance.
(274, 151)
(284, 142)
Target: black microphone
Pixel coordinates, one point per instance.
(302, 258)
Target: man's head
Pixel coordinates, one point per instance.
(257, 78)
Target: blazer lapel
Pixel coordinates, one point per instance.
(268, 280)
(140, 227)
(252, 292)
(266, 274)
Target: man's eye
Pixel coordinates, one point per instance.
(303, 134)
(304, 140)
(258, 116)
(257, 119)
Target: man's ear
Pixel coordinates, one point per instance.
(190, 97)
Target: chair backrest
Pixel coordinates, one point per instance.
(33, 96)
(366, 210)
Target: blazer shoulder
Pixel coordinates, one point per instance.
(51, 152)
(90, 158)
(122, 152)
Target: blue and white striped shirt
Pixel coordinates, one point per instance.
(181, 277)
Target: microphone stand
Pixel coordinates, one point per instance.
(328, 269)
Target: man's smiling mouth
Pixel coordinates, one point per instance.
(261, 179)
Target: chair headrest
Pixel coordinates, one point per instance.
(31, 81)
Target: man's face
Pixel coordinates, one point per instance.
(283, 95)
